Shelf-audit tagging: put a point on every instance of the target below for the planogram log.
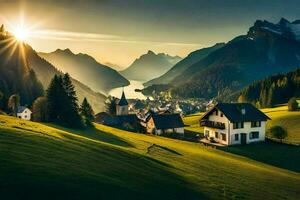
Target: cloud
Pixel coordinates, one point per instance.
(96, 37)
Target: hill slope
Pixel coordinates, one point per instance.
(150, 66)
(86, 69)
(183, 65)
(16, 75)
(45, 72)
(287, 119)
(267, 49)
(49, 162)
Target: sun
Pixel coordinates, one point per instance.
(21, 33)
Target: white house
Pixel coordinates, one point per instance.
(24, 113)
(165, 123)
(234, 123)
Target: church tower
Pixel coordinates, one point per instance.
(122, 107)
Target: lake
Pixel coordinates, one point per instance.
(129, 90)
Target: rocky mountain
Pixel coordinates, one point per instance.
(16, 75)
(45, 72)
(182, 65)
(265, 50)
(86, 69)
(150, 66)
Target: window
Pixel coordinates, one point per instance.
(255, 124)
(254, 135)
(216, 135)
(223, 136)
(217, 112)
(236, 137)
(206, 133)
(222, 115)
(238, 125)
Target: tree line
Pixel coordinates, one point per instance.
(271, 91)
(58, 105)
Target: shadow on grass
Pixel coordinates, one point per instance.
(95, 134)
(272, 153)
(64, 171)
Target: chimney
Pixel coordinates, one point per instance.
(243, 111)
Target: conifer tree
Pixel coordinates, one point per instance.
(71, 110)
(86, 112)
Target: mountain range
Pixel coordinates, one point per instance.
(149, 66)
(45, 72)
(182, 65)
(86, 69)
(265, 50)
(24, 72)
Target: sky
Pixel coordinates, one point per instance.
(119, 31)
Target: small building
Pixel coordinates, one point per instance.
(106, 119)
(165, 123)
(122, 106)
(24, 113)
(234, 123)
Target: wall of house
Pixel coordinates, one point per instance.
(122, 110)
(26, 115)
(247, 129)
(150, 127)
(212, 131)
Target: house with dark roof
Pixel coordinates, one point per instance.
(165, 123)
(24, 113)
(234, 123)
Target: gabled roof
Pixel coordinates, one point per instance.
(21, 109)
(123, 101)
(167, 121)
(233, 111)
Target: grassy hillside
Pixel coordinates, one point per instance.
(45, 162)
(287, 119)
(191, 123)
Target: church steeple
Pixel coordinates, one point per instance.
(122, 107)
(123, 100)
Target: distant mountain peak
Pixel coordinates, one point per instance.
(284, 28)
(66, 51)
(151, 52)
(284, 22)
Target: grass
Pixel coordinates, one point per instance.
(191, 123)
(50, 162)
(287, 119)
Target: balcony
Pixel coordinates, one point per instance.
(212, 124)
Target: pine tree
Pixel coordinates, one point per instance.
(56, 99)
(62, 102)
(71, 114)
(111, 105)
(86, 112)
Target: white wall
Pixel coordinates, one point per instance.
(26, 114)
(230, 132)
(217, 118)
(247, 129)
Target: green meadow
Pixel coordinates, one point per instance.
(45, 161)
